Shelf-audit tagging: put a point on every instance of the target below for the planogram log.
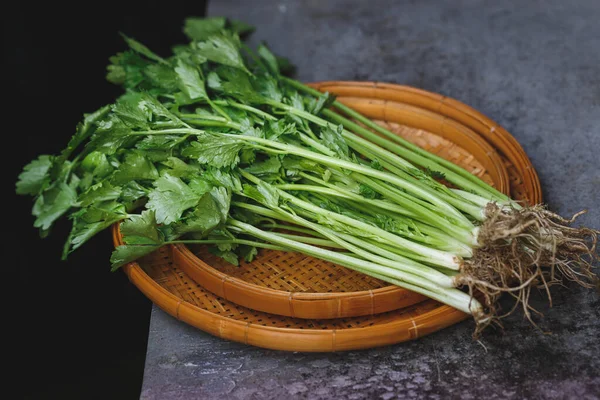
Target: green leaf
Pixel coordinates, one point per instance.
(110, 135)
(52, 204)
(100, 192)
(323, 101)
(268, 58)
(426, 178)
(34, 176)
(143, 50)
(190, 82)
(139, 110)
(170, 198)
(136, 166)
(275, 129)
(271, 165)
(162, 76)
(201, 28)
(267, 87)
(189, 54)
(200, 185)
(126, 69)
(214, 149)
(222, 197)
(84, 130)
(368, 192)
(155, 108)
(133, 191)
(296, 100)
(235, 83)
(263, 193)
(214, 81)
(435, 174)
(92, 220)
(97, 164)
(141, 229)
(249, 130)
(403, 227)
(333, 140)
(247, 156)
(125, 254)
(248, 253)
(239, 27)
(226, 255)
(180, 169)
(128, 109)
(159, 142)
(344, 228)
(375, 164)
(203, 218)
(223, 49)
(219, 177)
(141, 237)
(293, 165)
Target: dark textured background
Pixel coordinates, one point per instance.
(532, 66)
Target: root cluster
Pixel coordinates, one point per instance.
(521, 249)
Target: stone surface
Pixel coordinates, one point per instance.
(534, 67)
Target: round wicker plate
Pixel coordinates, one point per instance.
(296, 285)
(159, 278)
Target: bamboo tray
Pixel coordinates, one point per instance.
(295, 285)
(160, 279)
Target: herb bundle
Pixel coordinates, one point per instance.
(214, 145)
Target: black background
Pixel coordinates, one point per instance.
(76, 330)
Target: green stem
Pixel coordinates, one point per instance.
(246, 107)
(312, 188)
(428, 216)
(409, 186)
(383, 204)
(398, 263)
(406, 149)
(375, 249)
(292, 228)
(316, 145)
(343, 259)
(311, 240)
(382, 175)
(441, 258)
(450, 296)
(436, 239)
(199, 120)
(460, 203)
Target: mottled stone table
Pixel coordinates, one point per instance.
(534, 67)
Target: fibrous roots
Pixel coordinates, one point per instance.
(521, 249)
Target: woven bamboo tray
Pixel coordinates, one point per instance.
(292, 284)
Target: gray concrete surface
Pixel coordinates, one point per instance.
(532, 66)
